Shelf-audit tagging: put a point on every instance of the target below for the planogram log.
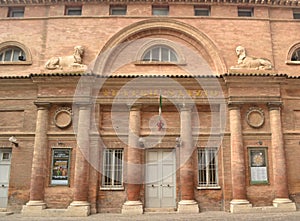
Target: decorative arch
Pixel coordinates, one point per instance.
(294, 51)
(158, 26)
(15, 44)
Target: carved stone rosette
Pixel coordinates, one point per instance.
(255, 117)
(63, 117)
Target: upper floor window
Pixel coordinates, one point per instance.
(208, 167)
(245, 12)
(12, 54)
(202, 10)
(293, 56)
(160, 53)
(16, 12)
(296, 14)
(73, 10)
(117, 9)
(161, 10)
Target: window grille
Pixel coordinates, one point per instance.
(118, 10)
(113, 168)
(207, 167)
(12, 54)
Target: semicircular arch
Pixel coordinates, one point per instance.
(158, 26)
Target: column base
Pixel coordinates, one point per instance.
(284, 204)
(79, 209)
(240, 206)
(188, 206)
(33, 208)
(132, 207)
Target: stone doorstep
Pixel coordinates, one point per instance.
(69, 212)
(5, 213)
(285, 207)
(159, 210)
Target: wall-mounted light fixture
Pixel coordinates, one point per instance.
(142, 142)
(260, 142)
(178, 142)
(13, 141)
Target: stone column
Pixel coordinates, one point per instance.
(80, 205)
(278, 157)
(187, 203)
(133, 205)
(38, 171)
(239, 199)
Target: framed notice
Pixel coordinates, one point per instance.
(60, 166)
(258, 165)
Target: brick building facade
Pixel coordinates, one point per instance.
(133, 106)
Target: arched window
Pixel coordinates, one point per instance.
(12, 54)
(160, 53)
(296, 55)
(293, 56)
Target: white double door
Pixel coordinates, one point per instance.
(5, 157)
(160, 177)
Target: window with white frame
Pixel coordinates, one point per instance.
(208, 167)
(160, 53)
(16, 12)
(112, 168)
(118, 10)
(12, 54)
(245, 12)
(160, 10)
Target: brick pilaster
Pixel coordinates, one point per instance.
(38, 171)
(133, 178)
(278, 154)
(81, 173)
(187, 203)
(238, 169)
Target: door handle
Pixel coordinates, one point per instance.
(2, 185)
(152, 185)
(168, 185)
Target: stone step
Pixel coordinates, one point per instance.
(5, 213)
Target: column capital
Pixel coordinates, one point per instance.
(134, 107)
(234, 105)
(185, 107)
(42, 105)
(276, 105)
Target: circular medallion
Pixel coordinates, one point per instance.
(255, 117)
(63, 117)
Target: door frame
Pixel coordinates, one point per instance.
(8, 162)
(174, 151)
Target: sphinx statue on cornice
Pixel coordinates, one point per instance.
(247, 62)
(67, 62)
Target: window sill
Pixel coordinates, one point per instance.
(15, 62)
(293, 62)
(208, 188)
(111, 188)
(159, 63)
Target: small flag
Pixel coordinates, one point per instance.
(160, 123)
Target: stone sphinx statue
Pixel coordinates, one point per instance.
(247, 62)
(67, 62)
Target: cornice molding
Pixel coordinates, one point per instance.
(246, 2)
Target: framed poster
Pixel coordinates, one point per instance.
(258, 165)
(60, 166)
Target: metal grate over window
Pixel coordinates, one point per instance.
(113, 168)
(207, 167)
(12, 54)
